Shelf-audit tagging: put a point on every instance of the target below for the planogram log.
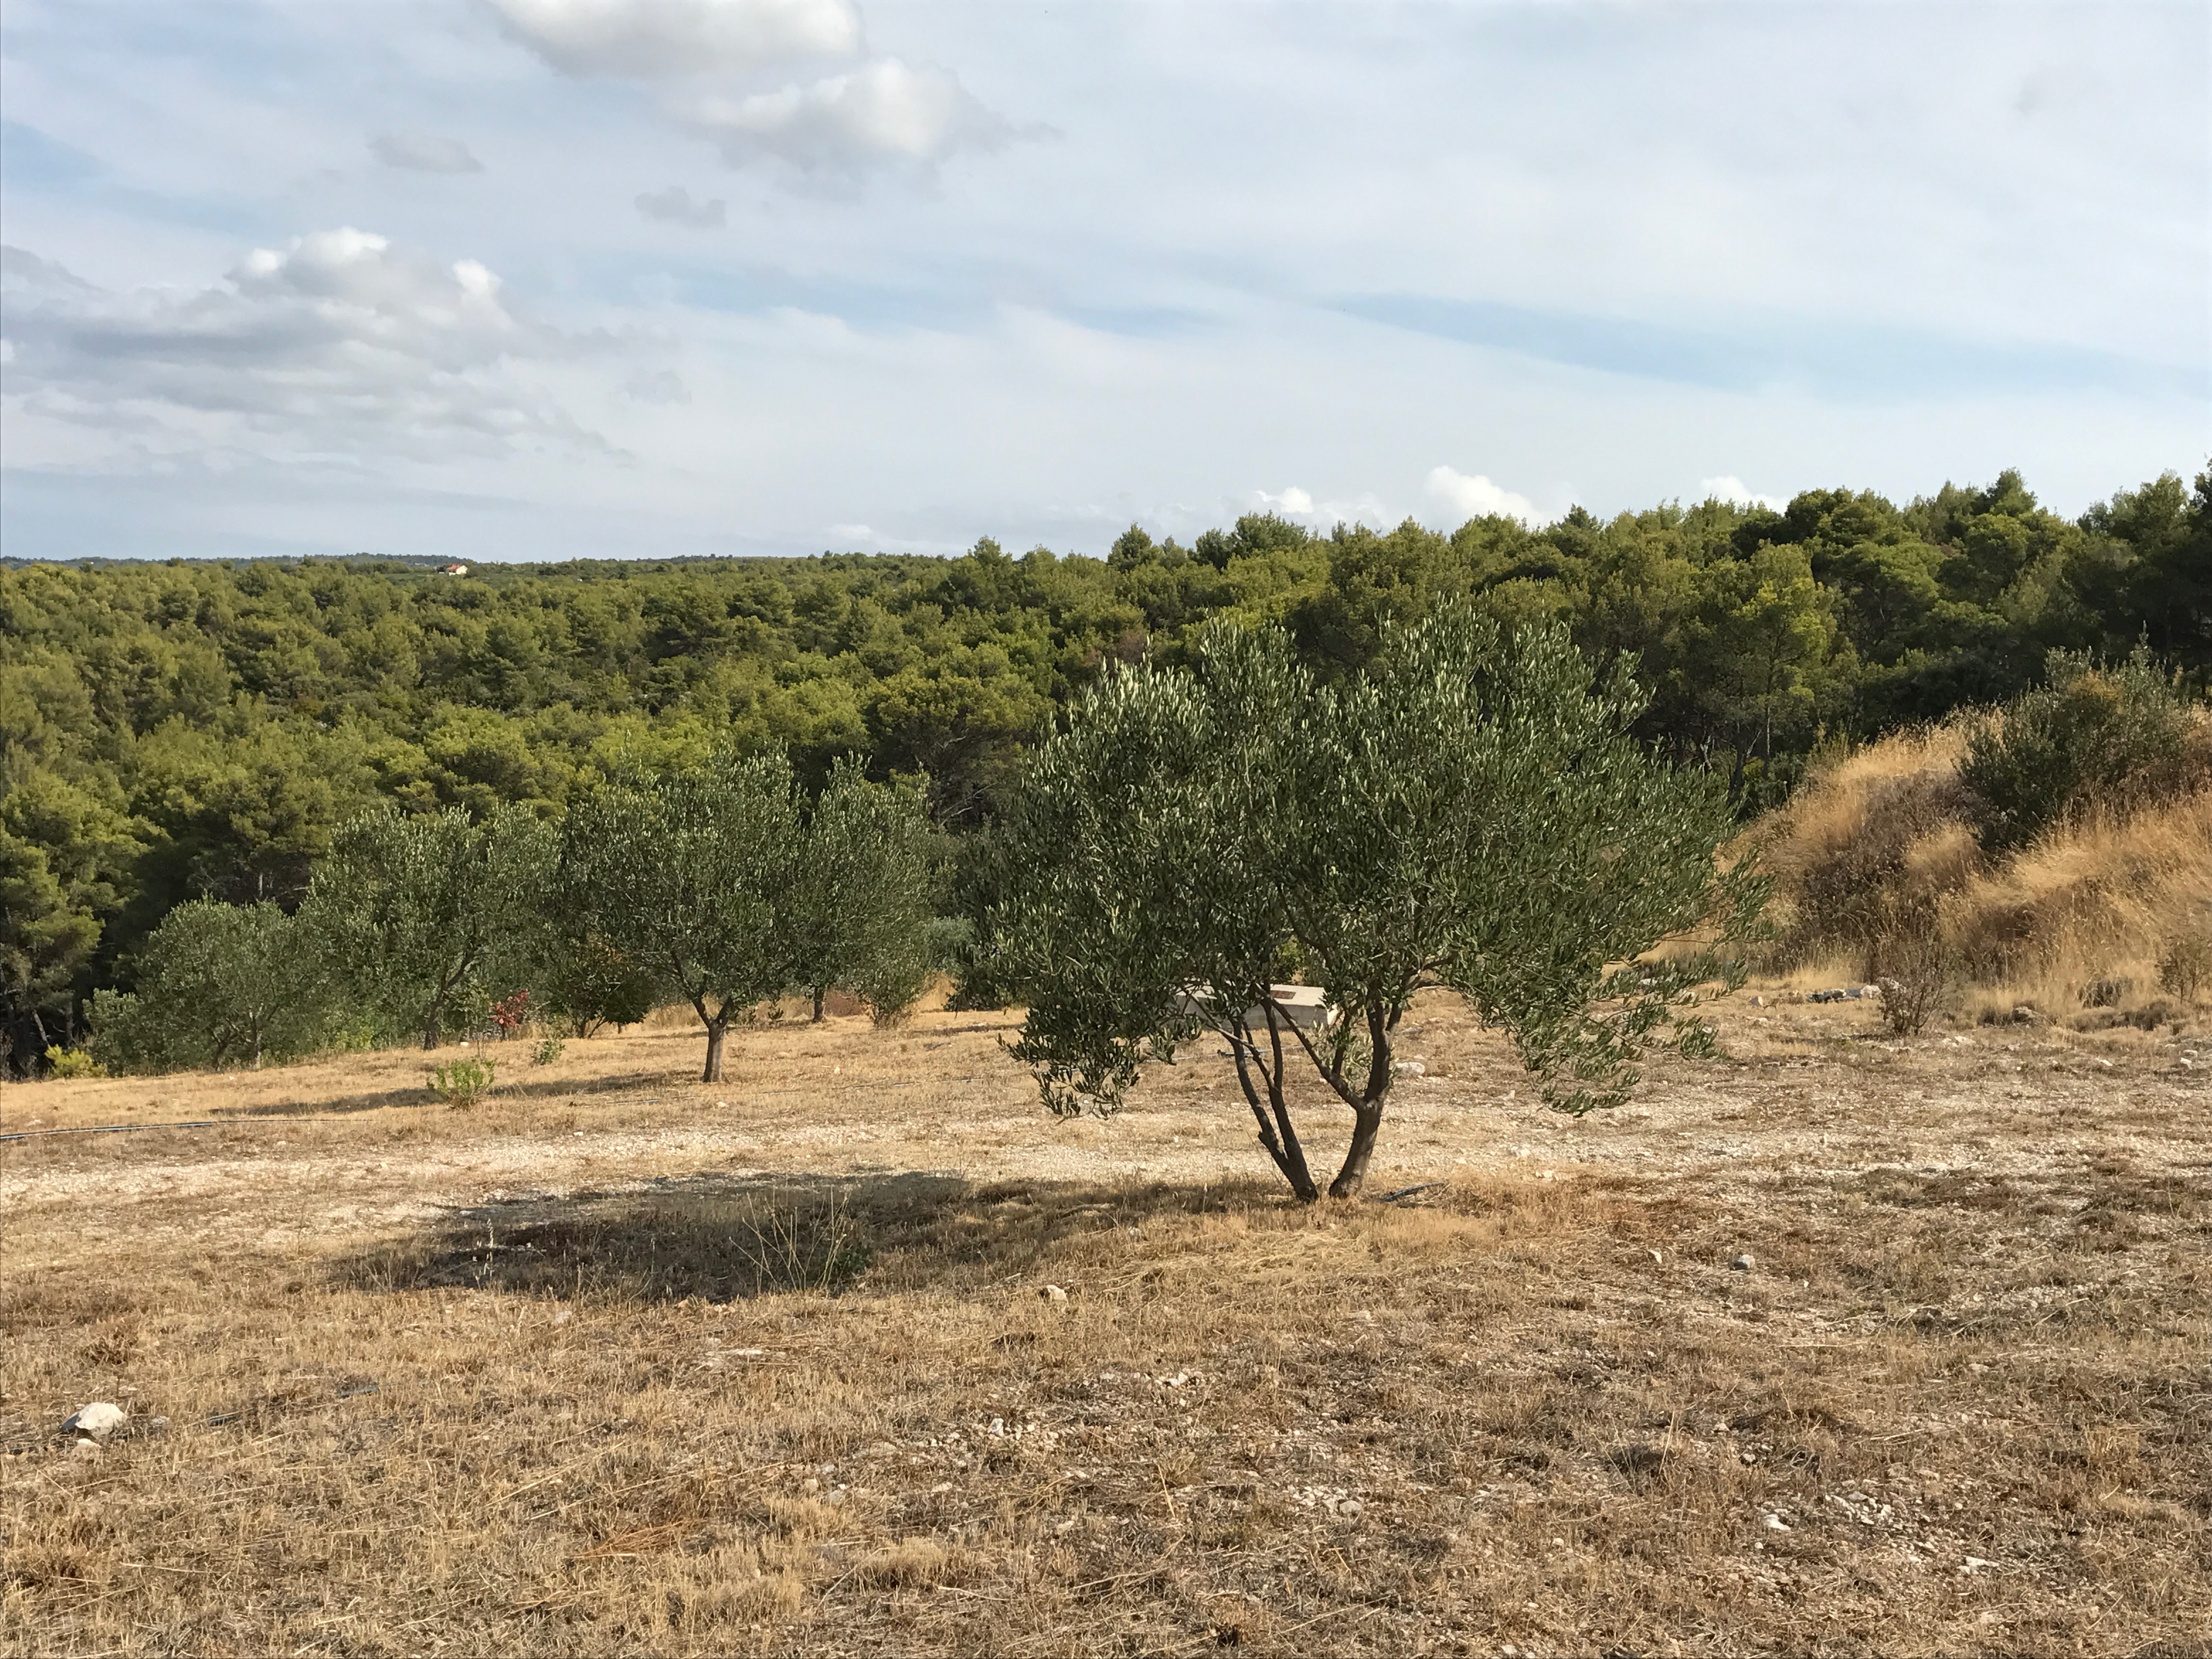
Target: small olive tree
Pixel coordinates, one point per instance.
(417, 915)
(684, 879)
(1472, 813)
(865, 892)
(217, 985)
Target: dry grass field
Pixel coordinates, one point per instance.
(618, 1363)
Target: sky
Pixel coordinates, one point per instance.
(508, 279)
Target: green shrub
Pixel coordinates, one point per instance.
(547, 1050)
(217, 985)
(73, 1063)
(2097, 734)
(893, 983)
(462, 1082)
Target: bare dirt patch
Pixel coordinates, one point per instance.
(621, 1363)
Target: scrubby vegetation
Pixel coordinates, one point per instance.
(2049, 859)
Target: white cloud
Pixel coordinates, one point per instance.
(677, 206)
(1474, 497)
(338, 341)
(424, 152)
(648, 39)
(885, 113)
(1299, 506)
(1736, 493)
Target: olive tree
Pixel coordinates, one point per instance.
(217, 985)
(417, 914)
(864, 895)
(685, 878)
(1470, 813)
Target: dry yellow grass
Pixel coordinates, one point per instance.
(2080, 920)
(765, 1367)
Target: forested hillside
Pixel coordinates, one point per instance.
(178, 729)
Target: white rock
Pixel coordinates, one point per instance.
(1775, 1523)
(1410, 1067)
(1743, 1264)
(1053, 1294)
(94, 1422)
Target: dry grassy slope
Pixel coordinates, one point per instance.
(1534, 1406)
(2082, 916)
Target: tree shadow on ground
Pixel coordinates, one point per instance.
(719, 1238)
(420, 1094)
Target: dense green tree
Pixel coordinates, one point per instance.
(863, 891)
(218, 985)
(421, 916)
(687, 877)
(1471, 810)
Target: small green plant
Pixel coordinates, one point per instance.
(2185, 970)
(547, 1049)
(462, 1082)
(73, 1063)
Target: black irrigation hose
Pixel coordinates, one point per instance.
(212, 1123)
(269, 1122)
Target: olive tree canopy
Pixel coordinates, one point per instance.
(217, 985)
(1470, 813)
(417, 913)
(865, 892)
(684, 879)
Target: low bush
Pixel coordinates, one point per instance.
(2184, 967)
(462, 1082)
(2111, 736)
(72, 1062)
(1916, 968)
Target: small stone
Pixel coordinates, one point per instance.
(1350, 1508)
(1054, 1295)
(1775, 1523)
(565, 1316)
(94, 1422)
(1411, 1067)
(809, 1485)
(1743, 1264)
(1657, 1260)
